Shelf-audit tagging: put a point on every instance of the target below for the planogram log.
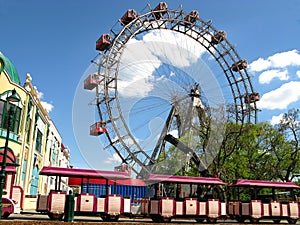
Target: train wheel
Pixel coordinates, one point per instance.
(199, 220)
(254, 220)
(5, 215)
(56, 216)
(240, 219)
(104, 218)
(156, 219)
(114, 218)
(211, 220)
(276, 221)
(292, 221)
(166, 220)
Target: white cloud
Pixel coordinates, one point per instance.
(280, 98)
(115, 159)
(284, 59)
(278, 60)
(268, 75)
(276, 119)
(174, 133)
(47, 106)
(298, 73)
(159, 47)
(259, 65)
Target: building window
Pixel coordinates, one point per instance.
(15, 119)
(54, 156)
(1, 112)
(34, 181)
(24, 169)
(38, 143)
(28, 130)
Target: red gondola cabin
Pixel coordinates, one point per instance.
(91, 81)
(253, 97)
(129, 16)
(98, 128)
(192, 17)
(103, 42)
(160, 9)
(218, 37)
(242, 64)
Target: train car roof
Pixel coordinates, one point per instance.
(263, 183)
(83, 173)
(184, 179)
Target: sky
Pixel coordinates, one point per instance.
(54, 41)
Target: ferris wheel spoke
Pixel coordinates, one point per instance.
(164, 132)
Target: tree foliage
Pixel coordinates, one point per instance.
(254, 151)
(260, 151)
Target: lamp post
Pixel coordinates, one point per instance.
(12, 98)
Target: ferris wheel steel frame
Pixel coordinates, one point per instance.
(108, 67)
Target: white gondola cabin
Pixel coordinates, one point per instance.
(192, 17)
(103, 42)
(91, 81)
(242, 64)
(253, 97)
(218, 37)
(129, 16)
(98, 128)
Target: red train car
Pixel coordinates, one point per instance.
(193, 197)
(258, 199)
(108, 206)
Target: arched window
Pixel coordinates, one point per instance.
(4, 107)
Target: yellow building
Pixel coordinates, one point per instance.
(33, 137)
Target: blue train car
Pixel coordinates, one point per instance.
(134, 188)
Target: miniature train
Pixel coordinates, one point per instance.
(111, 195)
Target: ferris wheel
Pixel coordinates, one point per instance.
(166, 83)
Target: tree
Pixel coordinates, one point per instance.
(288, 160)
(249, 151)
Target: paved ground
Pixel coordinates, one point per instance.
(42, 219)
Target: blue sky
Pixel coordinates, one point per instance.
(54, 41)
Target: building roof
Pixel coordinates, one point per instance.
(10, 69)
